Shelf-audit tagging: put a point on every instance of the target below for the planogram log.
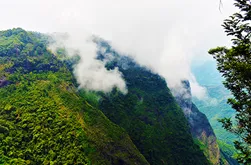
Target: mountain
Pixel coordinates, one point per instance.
(215, 107)
(152, 118)
(199, 124)
(46, 119)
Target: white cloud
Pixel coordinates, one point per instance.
(90, 73)
(165, 35)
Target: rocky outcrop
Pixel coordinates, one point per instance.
(3, 82)
(199, 124)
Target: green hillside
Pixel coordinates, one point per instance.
(43, 119)
(151, 116)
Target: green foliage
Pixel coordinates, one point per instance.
(235, 66)
(216, 106)
(227, 148)
(154, 121)
(228, 153)
(40, 118)
(44, 120)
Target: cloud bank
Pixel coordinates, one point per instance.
(164, 35)
(90, 73)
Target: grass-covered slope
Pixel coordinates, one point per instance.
(43, 120)
(151, 116)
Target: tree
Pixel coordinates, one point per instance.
(235, 65)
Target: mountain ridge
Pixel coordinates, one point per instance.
(44, 110)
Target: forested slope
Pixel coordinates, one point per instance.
(43, 119)
(150, 115)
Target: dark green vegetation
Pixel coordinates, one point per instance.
(43, 120)
(151, 116)
(200, 127)
(235, 65)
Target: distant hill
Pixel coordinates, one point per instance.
(216, 106)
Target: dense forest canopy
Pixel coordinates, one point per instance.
(43, 118)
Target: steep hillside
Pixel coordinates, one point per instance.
(216, 107)
(150, 115)
(199, 124)
(43, 119)
(208, 77)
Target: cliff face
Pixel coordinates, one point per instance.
(200, 127)
(45, 120)
(150, 115)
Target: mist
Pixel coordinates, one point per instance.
(90, 72)
(163, 35)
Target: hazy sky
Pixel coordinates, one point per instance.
(165, 35)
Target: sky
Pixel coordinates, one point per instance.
(167, 36)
